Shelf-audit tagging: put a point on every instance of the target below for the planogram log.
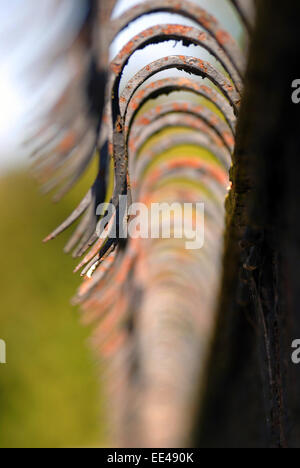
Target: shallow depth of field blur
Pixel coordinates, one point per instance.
(51, 392)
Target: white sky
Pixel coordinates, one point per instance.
(29, 31)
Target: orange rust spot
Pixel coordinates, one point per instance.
(222, 37)
(202, 65)
(176, 29)
(199, 109)
(144, 121)
(127, 49)
(115, 68)
(180, 106)
(214, 120)
(228, 138)
(145, 34)
(134, 104)
(140, 94)
(184, 81)
(228, 88)
(119, 126)
(202, 36)
(131, 146)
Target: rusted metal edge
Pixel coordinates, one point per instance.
(151, 36)
(167, 30)
(93, 198)
(178, 121)
(123, 169)
(119, 151)
(220, 127)
(186, 34)
(189, 10)
(183, 120)
(192, 138)
(168, 86)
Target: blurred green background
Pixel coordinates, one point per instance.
(50, 389)
(50, 393)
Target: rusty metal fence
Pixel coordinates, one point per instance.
(152, 301)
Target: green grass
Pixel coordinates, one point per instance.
(50, 393)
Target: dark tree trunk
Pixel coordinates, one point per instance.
(253, 395)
